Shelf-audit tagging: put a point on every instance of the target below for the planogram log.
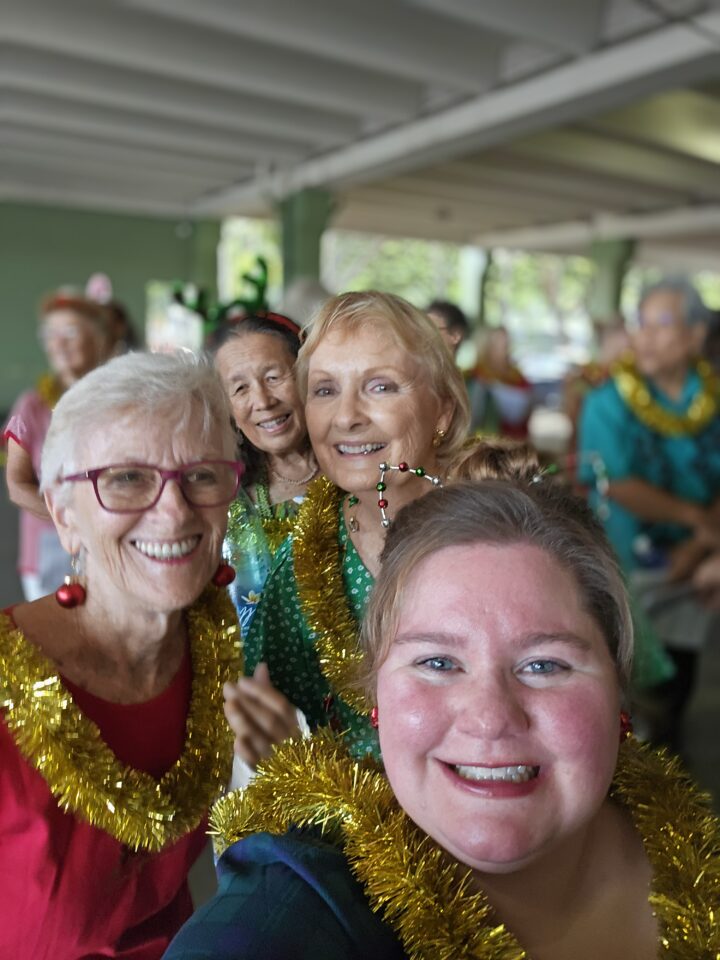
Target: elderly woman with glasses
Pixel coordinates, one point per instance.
(112, 744)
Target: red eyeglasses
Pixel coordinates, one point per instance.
(136, 487)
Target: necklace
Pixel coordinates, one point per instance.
(49, 390)
(703, 408)
(294, 483)
(85, 776)
(426, 900)
(321, 592)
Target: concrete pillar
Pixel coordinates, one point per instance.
(304, 216)
(612, 259)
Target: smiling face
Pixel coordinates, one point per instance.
(664, 343)
(498, 705)
(74, 345)
(368, 402)
(159, 560)
(257, 370)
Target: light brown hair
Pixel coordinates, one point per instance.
(502, 499)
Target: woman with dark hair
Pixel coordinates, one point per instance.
(255, 357)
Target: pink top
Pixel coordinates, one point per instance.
(27, 426)
(70, 891)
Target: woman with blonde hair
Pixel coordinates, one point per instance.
(386, 412)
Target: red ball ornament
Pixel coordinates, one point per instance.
(224, 575)
(382, 503)
(70, 595)
(403, 467)
(375, 718)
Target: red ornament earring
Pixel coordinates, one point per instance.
(224, 575)
(72, 593)
(374, 718)
(626, 727)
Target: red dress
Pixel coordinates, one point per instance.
(70, 891)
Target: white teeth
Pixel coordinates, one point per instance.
(164, 551)
(270, 424)
(355, 448)
(515, 774)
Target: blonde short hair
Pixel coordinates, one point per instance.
(414, 331)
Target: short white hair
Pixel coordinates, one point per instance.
(148, 385)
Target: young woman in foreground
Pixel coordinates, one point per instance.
(514, 816)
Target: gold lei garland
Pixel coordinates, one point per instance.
(427, 900)
(703, 408)
(318, 575)
(276, 529)
(49, 389)
(82, 772)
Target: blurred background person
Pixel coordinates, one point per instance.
(450, 321)
(112, 743)
(612, 344)
(74, 335)
(497, 378)
(655, 428)
(255, 356)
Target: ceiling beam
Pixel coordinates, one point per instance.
(604, 153)
(594, 82)
(129, 38)
(112, 156)
(83, 81)
(128, 127)
(573, 27)
(664, 223)
(80, 198)
(388, 37)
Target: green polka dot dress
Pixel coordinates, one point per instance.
(280, 636)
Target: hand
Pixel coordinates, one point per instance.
(259, 715)
(707, 580)
(685, 558)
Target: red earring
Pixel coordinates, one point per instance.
(626, 727)
(374, 718)
(224, 575)
(71, 593)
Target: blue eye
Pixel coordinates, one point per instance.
(543, 668)
(437, 664)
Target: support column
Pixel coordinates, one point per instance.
(612, 259)
(304, 217)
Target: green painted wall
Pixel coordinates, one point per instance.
(42, 248)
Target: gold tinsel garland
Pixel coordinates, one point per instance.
(276, 529)
(318, 575)
(83, 773)
(703, 408)
(49, 390)
(427, 900)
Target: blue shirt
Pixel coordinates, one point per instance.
(686, 466)
(286, 898)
